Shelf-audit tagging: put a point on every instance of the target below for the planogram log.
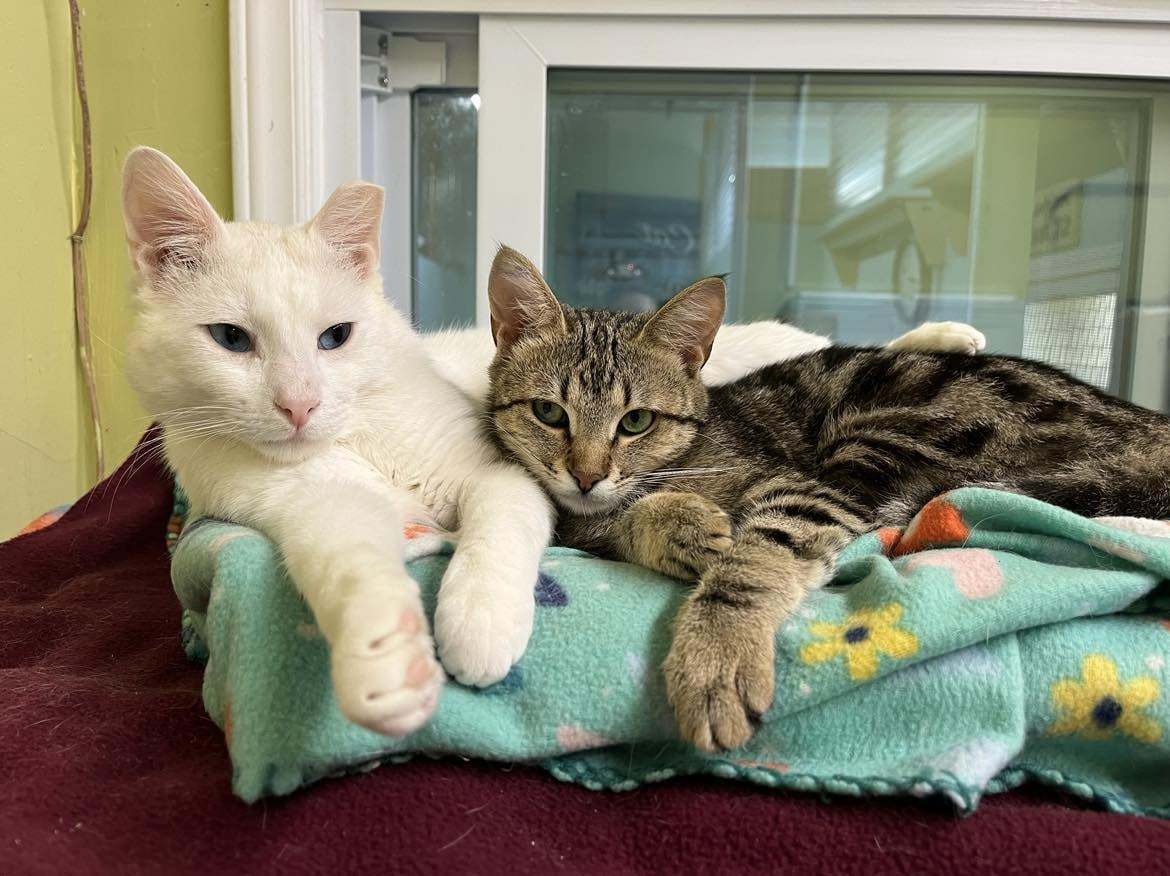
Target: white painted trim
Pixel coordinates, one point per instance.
(1150, 383)
(1080, 10)
(389, 127)
(238, 60)
(307, 33)
(341, 101)
(511, 151)
(874, 44)
(277, 56)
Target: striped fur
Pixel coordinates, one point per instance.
(752, 488)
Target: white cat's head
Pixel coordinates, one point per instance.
(267, 335)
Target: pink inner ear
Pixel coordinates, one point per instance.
(168, 221)
(688, 322)
(353, 246)
(362, 257)
(693, 357)
(350, 222)
(173, 241)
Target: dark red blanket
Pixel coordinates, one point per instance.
(109, 764)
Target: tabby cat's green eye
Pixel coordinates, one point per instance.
(550, 413)
(637, 421)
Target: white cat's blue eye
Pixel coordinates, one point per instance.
(334, 336)
(637, 421)
(550, 413)
(230, 337)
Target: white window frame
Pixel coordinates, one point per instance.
(295, 117)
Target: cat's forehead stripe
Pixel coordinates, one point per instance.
(597, 336)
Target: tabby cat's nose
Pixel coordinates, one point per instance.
(586, 479)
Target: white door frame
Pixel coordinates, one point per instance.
(293, 129)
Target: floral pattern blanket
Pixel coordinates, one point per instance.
(996, 640)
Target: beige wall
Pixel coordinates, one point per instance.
(157, 74)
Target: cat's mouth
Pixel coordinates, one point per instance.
(293, 439)
(604, 497)
(294, 444)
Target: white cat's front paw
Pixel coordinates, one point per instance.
(943, 337)
(482, 623)
(385, 676)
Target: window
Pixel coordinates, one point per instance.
(859, 205)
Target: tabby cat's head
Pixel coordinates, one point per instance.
(595, 402)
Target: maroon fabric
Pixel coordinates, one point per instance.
(109, 764)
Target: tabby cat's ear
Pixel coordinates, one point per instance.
(687, 323)
(168, 221)
(351, 222)
(520, 300)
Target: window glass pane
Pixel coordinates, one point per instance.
(443, 207)
(861, 205)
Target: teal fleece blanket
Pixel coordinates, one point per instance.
(994, 641)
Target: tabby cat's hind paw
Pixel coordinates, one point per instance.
(941, 337)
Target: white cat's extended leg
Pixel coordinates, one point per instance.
(342, 544)
(486, 601)
(944, 337)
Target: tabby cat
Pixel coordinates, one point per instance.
(752, 488)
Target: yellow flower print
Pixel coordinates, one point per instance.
(861, 637)
(1100, 704)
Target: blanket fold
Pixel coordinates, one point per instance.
(996, 640)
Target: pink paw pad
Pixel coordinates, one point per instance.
(418, 672)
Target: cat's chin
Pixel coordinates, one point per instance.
(589, 504)
(291, 449)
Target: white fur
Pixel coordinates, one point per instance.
(391, 441)
(948, 337)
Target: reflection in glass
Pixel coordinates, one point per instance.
(860, 206)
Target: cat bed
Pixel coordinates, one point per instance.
(996, 640)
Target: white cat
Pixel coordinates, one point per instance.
(295, 400)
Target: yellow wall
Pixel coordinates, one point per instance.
(42, 444)
(157, 74)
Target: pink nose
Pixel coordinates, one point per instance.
(586, 479)
(297, 409)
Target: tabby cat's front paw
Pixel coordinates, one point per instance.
(385, 676)
(482, 623)
(719, 678)
(680, 534)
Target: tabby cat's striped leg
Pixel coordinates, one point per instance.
(720, 672)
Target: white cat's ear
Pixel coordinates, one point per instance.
(168, 221)
(687, 323)
(351, 222)
(520, 300)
